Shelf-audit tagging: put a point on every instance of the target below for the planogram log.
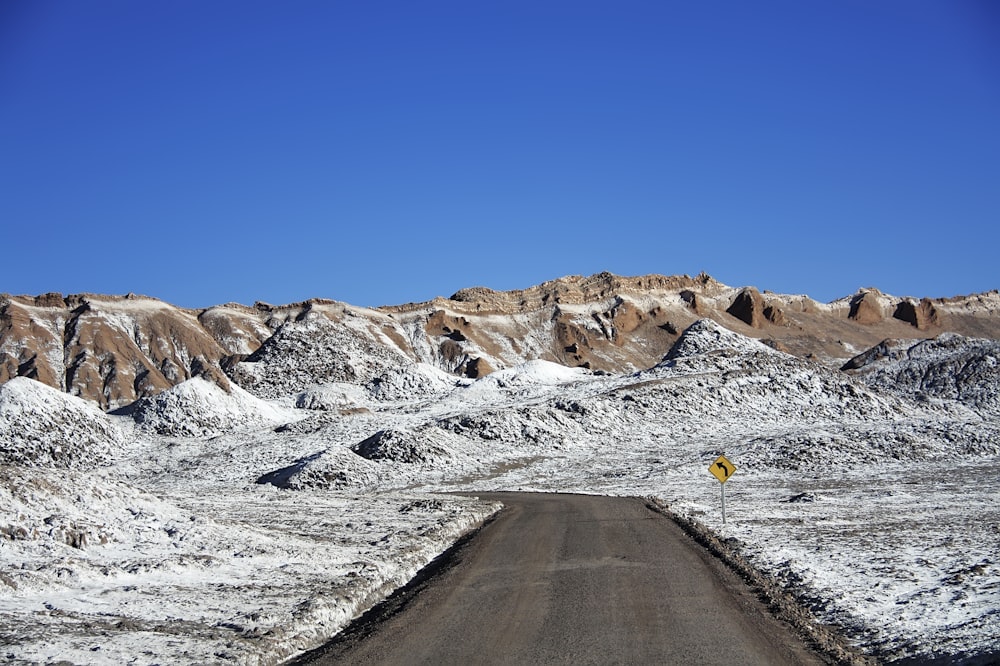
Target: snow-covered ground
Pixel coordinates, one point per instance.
(263, 528)
(97, 572)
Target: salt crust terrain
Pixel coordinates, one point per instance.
(209, 524)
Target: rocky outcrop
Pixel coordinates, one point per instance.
(401, 446)
(775, 315)
(923, 315)
(693, 302)
(751, 308)
(238, 329)
(474, 368)
(865, 308)
(577, 289)
(748, 307)
(441, 323)
(29, 348)
(949, 367)
(43, 427)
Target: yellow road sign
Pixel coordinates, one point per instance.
(722, 469)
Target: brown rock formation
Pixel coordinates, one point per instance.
(626, 317)
(577, 289)
(110, 349)
(475, 368)
(441, 323)
(27, 347)
(573, 341)
(775, 315)
(748, 307)
(865, 308)
(922, 315)
(452, 352)
(694, 302)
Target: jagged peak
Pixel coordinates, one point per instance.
(707, 336)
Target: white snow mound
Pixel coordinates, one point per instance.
(532, 373)
(335, 467)
(333, 397)
(200, 408)
(41, 426)
(403, 446)
(705, 336)
(407, 382)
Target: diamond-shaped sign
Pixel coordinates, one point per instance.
(722, 469)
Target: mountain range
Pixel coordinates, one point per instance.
(115, 350)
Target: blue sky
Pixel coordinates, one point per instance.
(385, 152)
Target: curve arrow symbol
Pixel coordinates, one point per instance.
(725, 470)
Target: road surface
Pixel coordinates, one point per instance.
(573, 579)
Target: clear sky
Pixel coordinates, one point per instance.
(382, 152)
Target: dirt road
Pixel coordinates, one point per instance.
(574, 579)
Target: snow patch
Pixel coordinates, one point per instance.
(532, 373)
(411, 381)
(333, 397)
(200, 408)
(336, 467)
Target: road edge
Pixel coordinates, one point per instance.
(361, 626)
(783, 605)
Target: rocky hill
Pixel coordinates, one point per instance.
(114, 350)
(41, 427)
(949, 367)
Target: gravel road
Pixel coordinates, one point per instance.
(572, 579)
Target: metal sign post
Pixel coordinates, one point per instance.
(722, 469)
(723, 487)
